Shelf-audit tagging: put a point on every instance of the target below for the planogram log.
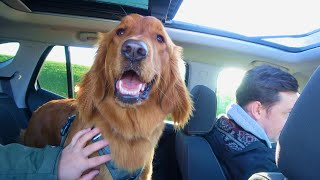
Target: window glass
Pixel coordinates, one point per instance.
(238, 17)
(143, 4)
(8, 50)
(53, 74)
(81, 59)
(228, 81)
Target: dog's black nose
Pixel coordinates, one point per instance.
(134, 50)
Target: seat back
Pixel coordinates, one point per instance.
(12, 119)
(195, 156)
(299, 147)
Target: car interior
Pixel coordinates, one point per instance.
(36, 29)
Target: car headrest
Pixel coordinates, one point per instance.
(298, 148)
(204, 115)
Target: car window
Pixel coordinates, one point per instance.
(81, 60)
(53, 74)
(228, 81)
(8, 51)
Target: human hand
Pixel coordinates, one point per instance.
(74, 157)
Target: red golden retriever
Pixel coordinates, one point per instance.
(133, 84)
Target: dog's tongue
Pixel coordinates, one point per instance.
(130, 82)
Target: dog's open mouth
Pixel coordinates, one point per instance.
(129, 89)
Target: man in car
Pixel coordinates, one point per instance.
(243, 139)
(21, 162)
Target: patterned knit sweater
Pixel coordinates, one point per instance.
(240, 153)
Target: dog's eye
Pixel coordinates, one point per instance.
(120, 32)
(160, 38)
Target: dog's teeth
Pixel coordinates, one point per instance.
(122, 90)
(143, 87)
(120, 84)
(125, 91)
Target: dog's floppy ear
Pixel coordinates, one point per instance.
(176, 99)
(93, 86)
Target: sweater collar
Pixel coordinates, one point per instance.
(243, 119)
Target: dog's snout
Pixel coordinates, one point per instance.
(134, 50)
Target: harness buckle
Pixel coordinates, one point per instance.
(66, 126)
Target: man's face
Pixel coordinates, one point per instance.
(274, 118)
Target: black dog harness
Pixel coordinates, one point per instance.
(65, 129)
(116, 173)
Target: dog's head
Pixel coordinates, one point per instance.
(136, 62)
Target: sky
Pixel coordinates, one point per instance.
(253, 17)
(9, 48)
(229, 80)
(79, 55)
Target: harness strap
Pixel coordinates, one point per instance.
(116, 173)
(65, 129)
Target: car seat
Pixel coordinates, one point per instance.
(195, 156)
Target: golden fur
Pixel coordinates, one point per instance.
(133, 130)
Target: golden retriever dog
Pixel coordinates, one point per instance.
(134, 83)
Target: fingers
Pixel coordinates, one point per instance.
(86, 137)
(90, 175)
(98, 160)
(94, 147)
(78, 135)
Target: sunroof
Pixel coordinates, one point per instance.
(108, 9)
(296, 41)
(286, 23)
(143, 4)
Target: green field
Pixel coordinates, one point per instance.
(4, 57)
(53, 77)
(223, 102)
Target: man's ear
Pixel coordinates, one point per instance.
(255, 110)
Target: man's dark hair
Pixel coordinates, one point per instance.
(263, 84)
